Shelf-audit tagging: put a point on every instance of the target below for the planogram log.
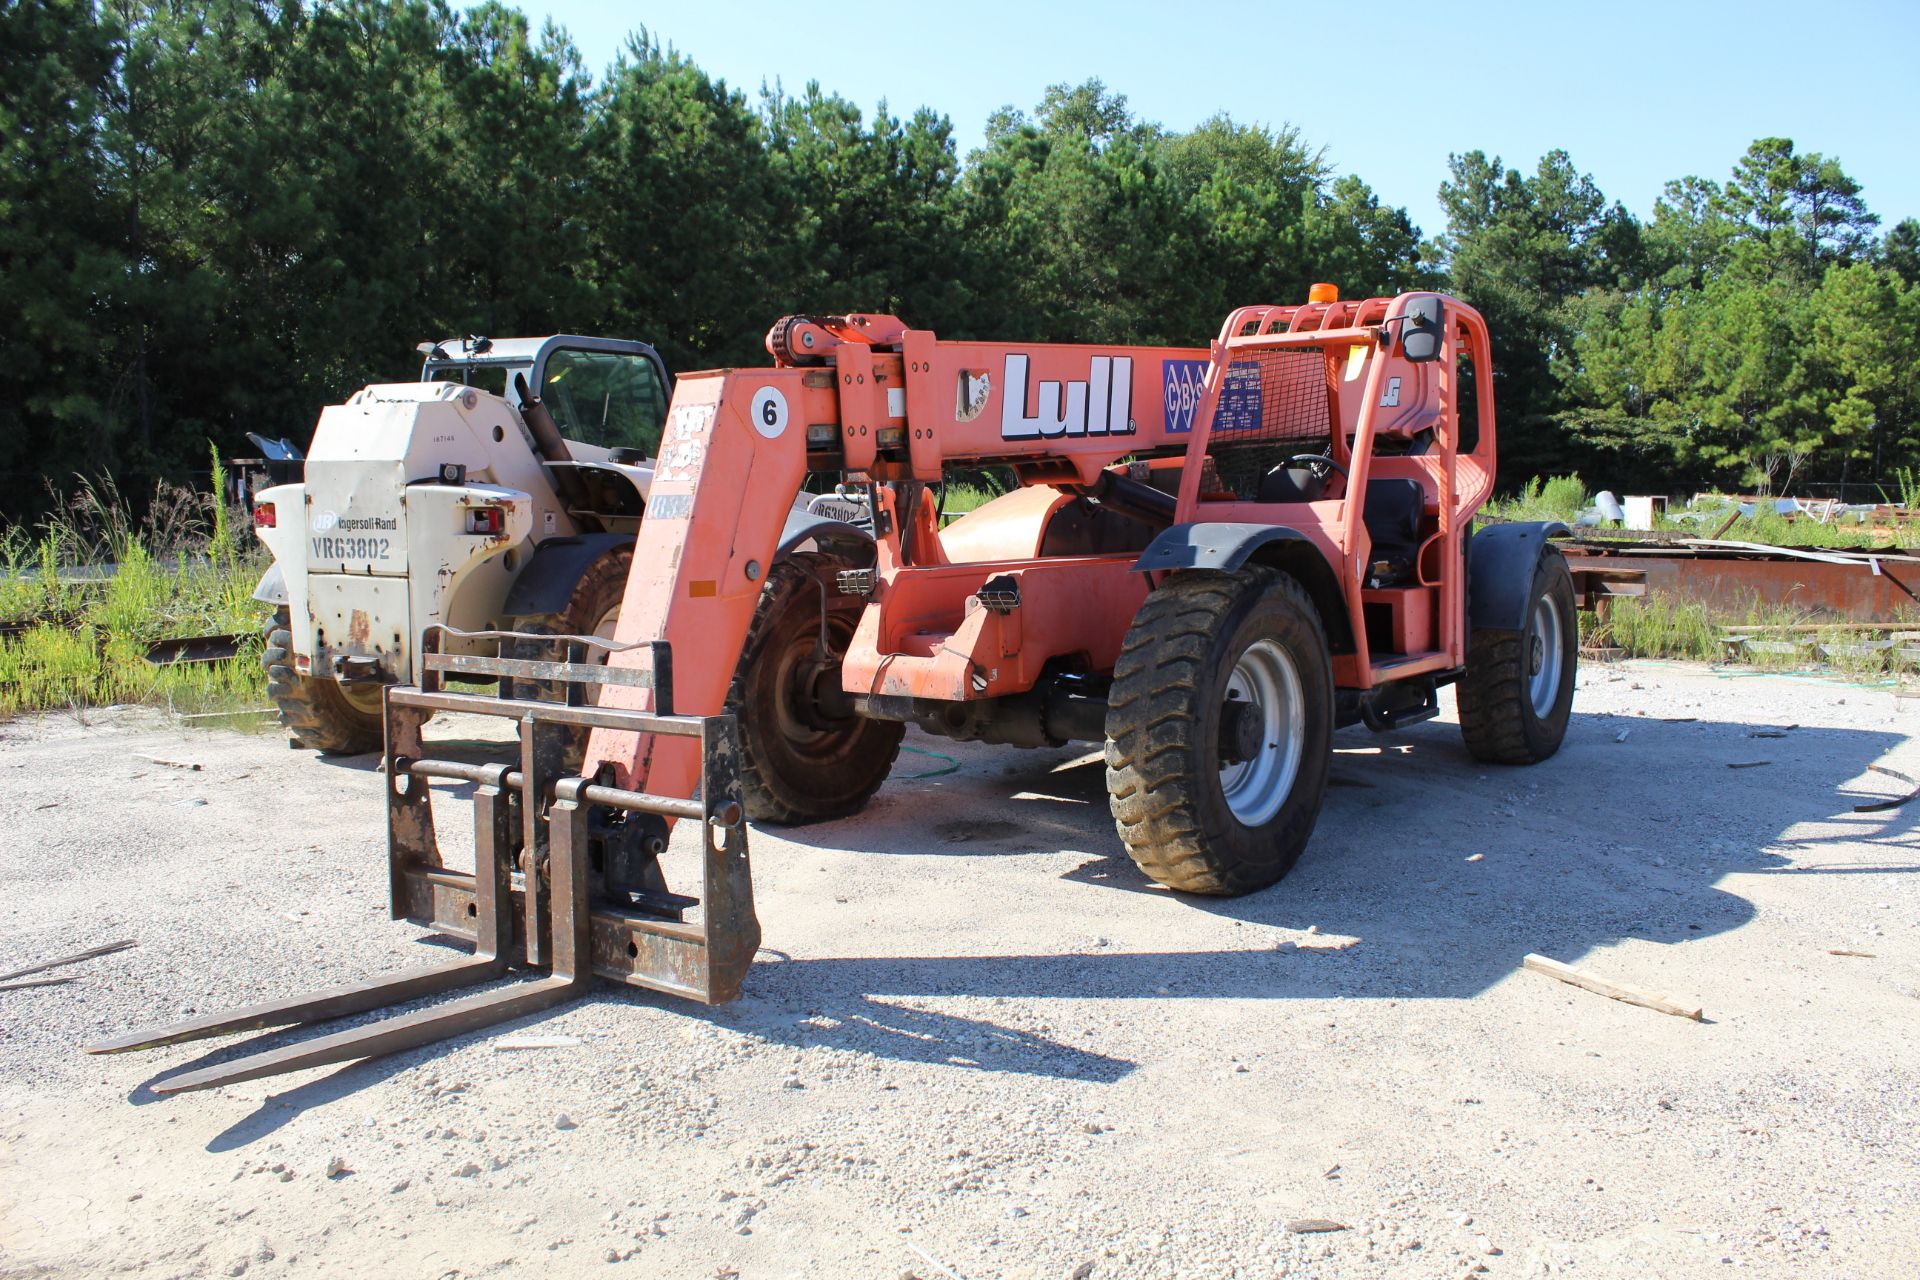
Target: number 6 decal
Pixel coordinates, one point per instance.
(769, 412)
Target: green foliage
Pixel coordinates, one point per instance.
(1085, 224)
(1759, 344)
(1909, 481)
(1564, 494)
(223, 216)
(879, 230)
(1766, 637)
(1656, 627)
(1801, 212)
(1524, 250)
(959, 499)
(1552, 498)
(1900, 251)
(58, 258)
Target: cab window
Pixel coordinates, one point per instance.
(486, 377)
(606, 398)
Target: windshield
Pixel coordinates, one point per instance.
(611, 399)
(486, 377)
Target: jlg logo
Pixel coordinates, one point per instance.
(1100, 406)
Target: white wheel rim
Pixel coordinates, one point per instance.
(1546, 655)
(1265, 677)
(609, 622)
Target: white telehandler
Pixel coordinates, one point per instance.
(502, 491)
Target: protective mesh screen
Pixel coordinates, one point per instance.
(1274, 405)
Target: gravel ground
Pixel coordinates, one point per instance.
(979, 1044)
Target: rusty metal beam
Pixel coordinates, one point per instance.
(1865, 589)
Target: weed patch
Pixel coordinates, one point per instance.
(1767, 638)
(85, 593)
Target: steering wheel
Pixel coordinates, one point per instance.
(1319, 463)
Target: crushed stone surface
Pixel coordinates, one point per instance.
(978, 1043)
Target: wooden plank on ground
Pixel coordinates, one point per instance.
(1609, 988)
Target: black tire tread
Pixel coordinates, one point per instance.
(1490, 699)
(1492, 693)
(1151, 729)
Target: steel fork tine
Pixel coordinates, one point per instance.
(539, 819)
(356, 997)
(394, 1035)
(493, 906)
(569, 933)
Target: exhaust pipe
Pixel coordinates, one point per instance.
(546, 435)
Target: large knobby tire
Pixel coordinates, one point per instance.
(1209, 799)
(800, 762)
(1516, 696)
(318, 714)
(593, 609)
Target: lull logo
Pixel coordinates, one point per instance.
(1100, 406)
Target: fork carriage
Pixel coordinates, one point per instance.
(567, 874)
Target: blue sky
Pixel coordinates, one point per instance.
(1638, 93)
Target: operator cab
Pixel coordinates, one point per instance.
(607, 398)
(1287, 437)
(609, 394)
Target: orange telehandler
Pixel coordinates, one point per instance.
(1214, 557)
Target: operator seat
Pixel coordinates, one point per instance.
(1392, 515)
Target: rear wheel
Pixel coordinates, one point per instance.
(1516, 696)
(1219, 730)
(805, 755)
(322, 715)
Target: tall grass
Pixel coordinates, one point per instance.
(1662, 627)
(1909, 482)
(962, 498)
(1655, 627)
(86, 592)
(1772, 529)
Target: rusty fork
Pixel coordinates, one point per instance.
(567, 875)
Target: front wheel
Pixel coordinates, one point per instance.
(1516, 696)
(593, 609)
(1220, 730)
(805, 756)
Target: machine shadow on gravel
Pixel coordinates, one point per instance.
(1583, 851)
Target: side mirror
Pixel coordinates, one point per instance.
(1422, 328)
